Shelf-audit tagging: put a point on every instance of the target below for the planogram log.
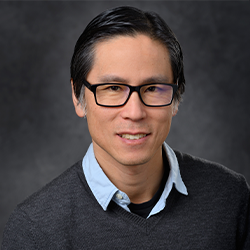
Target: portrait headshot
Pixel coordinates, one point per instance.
(125, 125)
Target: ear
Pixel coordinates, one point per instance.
(80, 110)
(175, 107)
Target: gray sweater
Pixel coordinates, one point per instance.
(65, 215)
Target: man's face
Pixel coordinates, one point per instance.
(134, 61)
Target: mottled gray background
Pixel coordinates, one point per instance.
(40, 135)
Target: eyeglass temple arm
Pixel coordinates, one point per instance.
(87, 84)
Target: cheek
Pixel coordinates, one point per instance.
(99, 120)
(163, 121)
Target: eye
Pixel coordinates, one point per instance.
(114, 88)
(109, 88)
(156, 89)
(151, 89)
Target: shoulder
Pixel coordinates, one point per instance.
(43, 218)
(56, 196)
(206, 174)
(218, 198)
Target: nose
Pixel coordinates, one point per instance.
(134, 109)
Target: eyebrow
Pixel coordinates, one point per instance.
(152, 79)
(157, 79)
(112, 78)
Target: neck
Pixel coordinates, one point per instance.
(139, 182)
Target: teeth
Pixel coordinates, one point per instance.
(133, 137)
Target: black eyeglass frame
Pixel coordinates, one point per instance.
(93, 87)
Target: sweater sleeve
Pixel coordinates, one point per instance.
(244, 228)
(22, 233)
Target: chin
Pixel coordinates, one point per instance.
(133, 162)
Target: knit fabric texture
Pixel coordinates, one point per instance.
(65, 215)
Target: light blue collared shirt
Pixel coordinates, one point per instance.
(105, 191)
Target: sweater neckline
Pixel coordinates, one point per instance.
(143, 224)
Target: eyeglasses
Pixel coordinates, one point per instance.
(116, 94)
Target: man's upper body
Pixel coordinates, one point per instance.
(203, 206)
(133, 191)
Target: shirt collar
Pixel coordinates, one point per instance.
(104, 190)
(174, 174)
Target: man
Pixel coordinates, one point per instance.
(131, 190)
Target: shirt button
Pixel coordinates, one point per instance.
(118, 196)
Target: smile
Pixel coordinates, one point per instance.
(133, 137)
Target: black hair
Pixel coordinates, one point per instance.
(128, 21)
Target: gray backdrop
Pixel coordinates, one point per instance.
(40, 135)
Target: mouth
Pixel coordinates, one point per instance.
(132, 137)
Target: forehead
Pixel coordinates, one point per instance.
(125, 42)
(127, 56)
